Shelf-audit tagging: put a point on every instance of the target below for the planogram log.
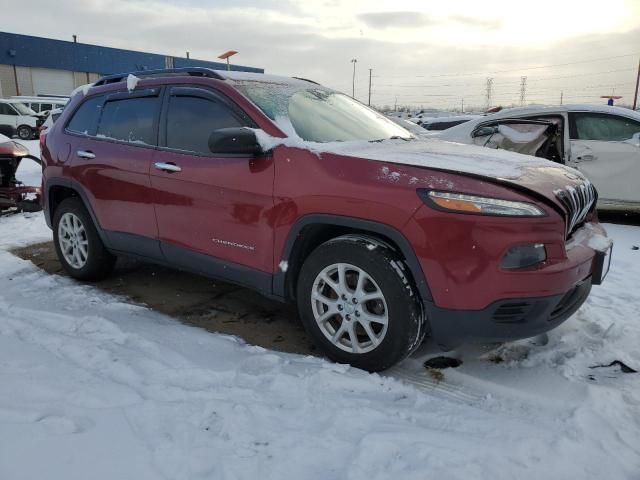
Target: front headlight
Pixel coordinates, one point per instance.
(463, 203)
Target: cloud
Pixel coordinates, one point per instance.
(476, 22)
(395, 19)
(319, 44)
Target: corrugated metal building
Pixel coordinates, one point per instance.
(42, 66)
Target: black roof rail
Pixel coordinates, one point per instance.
(190, 71)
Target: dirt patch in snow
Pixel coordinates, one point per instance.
(195, 300)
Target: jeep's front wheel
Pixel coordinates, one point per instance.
(77, 243)
(358, 305)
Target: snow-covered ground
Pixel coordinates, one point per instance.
(95, 387)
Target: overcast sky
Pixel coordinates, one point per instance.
(422, 52)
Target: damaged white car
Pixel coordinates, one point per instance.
(602, 142)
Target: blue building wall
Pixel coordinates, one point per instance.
(28, 51)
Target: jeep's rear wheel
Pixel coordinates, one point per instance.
(358, 305)
(77, 243)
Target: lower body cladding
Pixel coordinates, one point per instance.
(508, 319)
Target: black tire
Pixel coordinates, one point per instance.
(24, 132)
(406, 325)
(99, 262)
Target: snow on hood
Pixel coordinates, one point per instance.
(428, 152)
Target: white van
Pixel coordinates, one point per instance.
(18, 119)
(41, 104)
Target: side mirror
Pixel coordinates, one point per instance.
(239, 141)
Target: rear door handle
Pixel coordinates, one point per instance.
(167, 167)
(85, 154)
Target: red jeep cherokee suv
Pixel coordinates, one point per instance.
(301, 192)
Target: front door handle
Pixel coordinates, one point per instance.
(86, 154)
(167, 167)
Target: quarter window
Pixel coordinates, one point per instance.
(85, 118)
(603, 127)
(192, 116)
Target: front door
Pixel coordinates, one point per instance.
(212, 209)
(8, 119)
(113, 139)
(602, 148)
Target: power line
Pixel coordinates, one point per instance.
(520, 69)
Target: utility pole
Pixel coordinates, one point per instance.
(489, 91)
(462, 109)
(635, 96)
(353, 88)
(561, 95)
(523, 90)
(395, 105)
(369, 103)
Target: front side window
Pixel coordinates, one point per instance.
(5, 109)
(193, 115)
(44, 107)
(129, 119)
(603, 127)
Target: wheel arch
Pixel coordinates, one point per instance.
(312, 230)
(57, 190)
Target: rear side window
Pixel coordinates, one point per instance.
(85, 119)
(194, 114)
(603, 127)
(130, 120)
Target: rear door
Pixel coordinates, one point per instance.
(212, 209)
(113, 140)
(602, 149)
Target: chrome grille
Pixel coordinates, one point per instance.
(578, 202)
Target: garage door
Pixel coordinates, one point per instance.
(51, 82)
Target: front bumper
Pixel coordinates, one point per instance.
(507, 319)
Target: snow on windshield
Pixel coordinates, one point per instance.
(319, 114)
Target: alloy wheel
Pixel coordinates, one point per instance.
(73, 240)
(349, 308)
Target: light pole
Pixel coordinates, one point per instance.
(226, 55)
(353, 88)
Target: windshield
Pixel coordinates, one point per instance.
(23, 109)
(321, 115)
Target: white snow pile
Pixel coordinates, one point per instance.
(95, 387)
(132, 82)
(84, 89)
